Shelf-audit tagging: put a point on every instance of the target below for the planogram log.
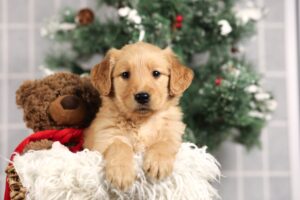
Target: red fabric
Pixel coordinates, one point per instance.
(65, 136)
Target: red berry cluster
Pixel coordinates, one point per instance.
(178, 21)
(218, 81)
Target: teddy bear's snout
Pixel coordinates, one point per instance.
(68, 110)
(70, 102)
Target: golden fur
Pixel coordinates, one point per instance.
(124, 127)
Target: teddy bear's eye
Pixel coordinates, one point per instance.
(78, 93)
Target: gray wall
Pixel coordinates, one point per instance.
(262, 174)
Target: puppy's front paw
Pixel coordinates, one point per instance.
(157, 165)
(121, 176)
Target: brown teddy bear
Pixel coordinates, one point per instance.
(57, 102)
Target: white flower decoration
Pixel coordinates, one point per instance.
(236, 72)
(55, 25)
(50, 28)
(262, 96)
(66, 26)
(224, 27)
(44, 32)
(131, 14)
(256, 114)
(123, 12)
(134, 17)
(251, 89)
(247, 14)
(268, 117)
(201, 91)
(252, 104)
(272, 105)
(67, 12)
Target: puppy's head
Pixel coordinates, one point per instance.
(141, 78)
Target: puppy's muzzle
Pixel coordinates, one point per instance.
(142, 97)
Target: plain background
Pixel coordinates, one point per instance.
(261, 174)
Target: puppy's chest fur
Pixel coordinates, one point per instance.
(140, 135)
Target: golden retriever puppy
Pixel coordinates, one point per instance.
(140, 86)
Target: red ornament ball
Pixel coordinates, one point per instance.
(179, 18)
(178, 25)
(218, 81)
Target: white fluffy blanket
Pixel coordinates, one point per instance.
(59, 174)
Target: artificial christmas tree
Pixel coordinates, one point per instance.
(225, 99)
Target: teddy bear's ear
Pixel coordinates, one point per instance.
(23, 92)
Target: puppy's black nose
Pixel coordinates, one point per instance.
(142, 97)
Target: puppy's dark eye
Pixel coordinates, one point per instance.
(125, 75)
(156, 74)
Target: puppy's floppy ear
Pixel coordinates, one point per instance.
(180, 76)
(102, 72)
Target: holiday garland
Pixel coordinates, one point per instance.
(225, 99)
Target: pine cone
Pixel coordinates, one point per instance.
(85, 16)
(17, 191)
